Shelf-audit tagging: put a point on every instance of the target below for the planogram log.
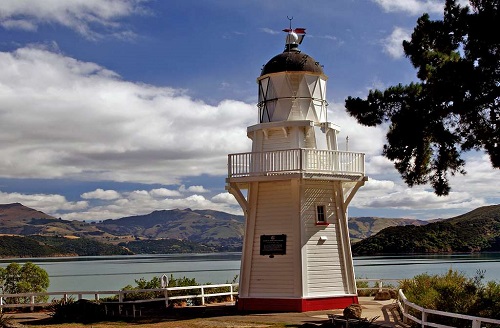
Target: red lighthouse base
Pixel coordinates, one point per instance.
(296, 304)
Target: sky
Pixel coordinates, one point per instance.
(114, 108)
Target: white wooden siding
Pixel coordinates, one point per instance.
(276, 140)
(273, 277)
(324, 268)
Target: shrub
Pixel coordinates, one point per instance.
(454, 292)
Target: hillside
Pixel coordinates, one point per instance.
(364, 227)
(165, 231)
(476, 231)
(207, 227)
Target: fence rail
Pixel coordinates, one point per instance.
(295, 161)
(197, 292)
(405, 307)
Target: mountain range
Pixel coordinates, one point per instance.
(186, 230)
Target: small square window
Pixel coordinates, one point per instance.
(320, 214)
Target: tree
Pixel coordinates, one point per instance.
(454, 108)
(28, 278)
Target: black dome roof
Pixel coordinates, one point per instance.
(291, 60)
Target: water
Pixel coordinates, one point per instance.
(115, 272)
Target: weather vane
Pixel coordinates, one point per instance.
(296, 35)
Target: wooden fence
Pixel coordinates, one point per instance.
(200, 292)
(410, 310)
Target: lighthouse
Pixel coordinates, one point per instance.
(294, 188)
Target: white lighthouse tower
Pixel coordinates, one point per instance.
(294, 188)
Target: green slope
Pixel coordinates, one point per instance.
(476, 231)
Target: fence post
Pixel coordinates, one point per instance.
(405, 312)
(32, 301)
(166, 298)
(424, 318)
(65, 298)
(380, 285)
(96, 296)
(202, 296)
(476, 323)
(1, 304)
(231, 290)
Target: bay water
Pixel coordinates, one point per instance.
(93, 273)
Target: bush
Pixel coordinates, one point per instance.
(155, 283)
(454, 292)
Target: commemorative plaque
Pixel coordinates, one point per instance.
(272, 245)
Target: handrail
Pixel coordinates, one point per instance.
(405, 305)
(302, 160)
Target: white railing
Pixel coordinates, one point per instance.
(378, 284)
(296, 161)
(405, 306)
(198, 292)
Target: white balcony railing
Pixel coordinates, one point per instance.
(330, 162)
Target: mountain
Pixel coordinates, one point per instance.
(165, 231)
(364, 227)
(208, 227)
(475, 231)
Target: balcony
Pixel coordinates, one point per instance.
(309, 163)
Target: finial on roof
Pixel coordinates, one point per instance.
(294, 36)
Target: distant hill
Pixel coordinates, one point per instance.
(207, 227)
(364, 227)
(475, 231)
(165, 231)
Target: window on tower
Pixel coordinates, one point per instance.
(320, 214)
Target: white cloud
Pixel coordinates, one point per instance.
(90, 18)
(364, 139)
(225, 198)
(393, 44)
(412, 7)
(164, 192)
(70, 119)
(193, 189)
(47, 203)
(270, 31)
(101, 194)
(141, 202)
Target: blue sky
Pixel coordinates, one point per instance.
(116, 108)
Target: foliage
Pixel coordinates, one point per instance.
(28, 278)
(16, 246)
(456, 105)
(166, 246)
(69, 310)
(6, 321)
(82, 246)
(476, 231)
(454, 292)
(155, 283)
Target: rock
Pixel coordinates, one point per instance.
(353, 311)
(382, 295)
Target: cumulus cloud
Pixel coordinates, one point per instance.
(101, 194)
(361, 138)
(47, 203)
(71, 119)
(393, 44)
(412, 7)
(193, 189)
(164, 192)
(225, 197)
(93, 19)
